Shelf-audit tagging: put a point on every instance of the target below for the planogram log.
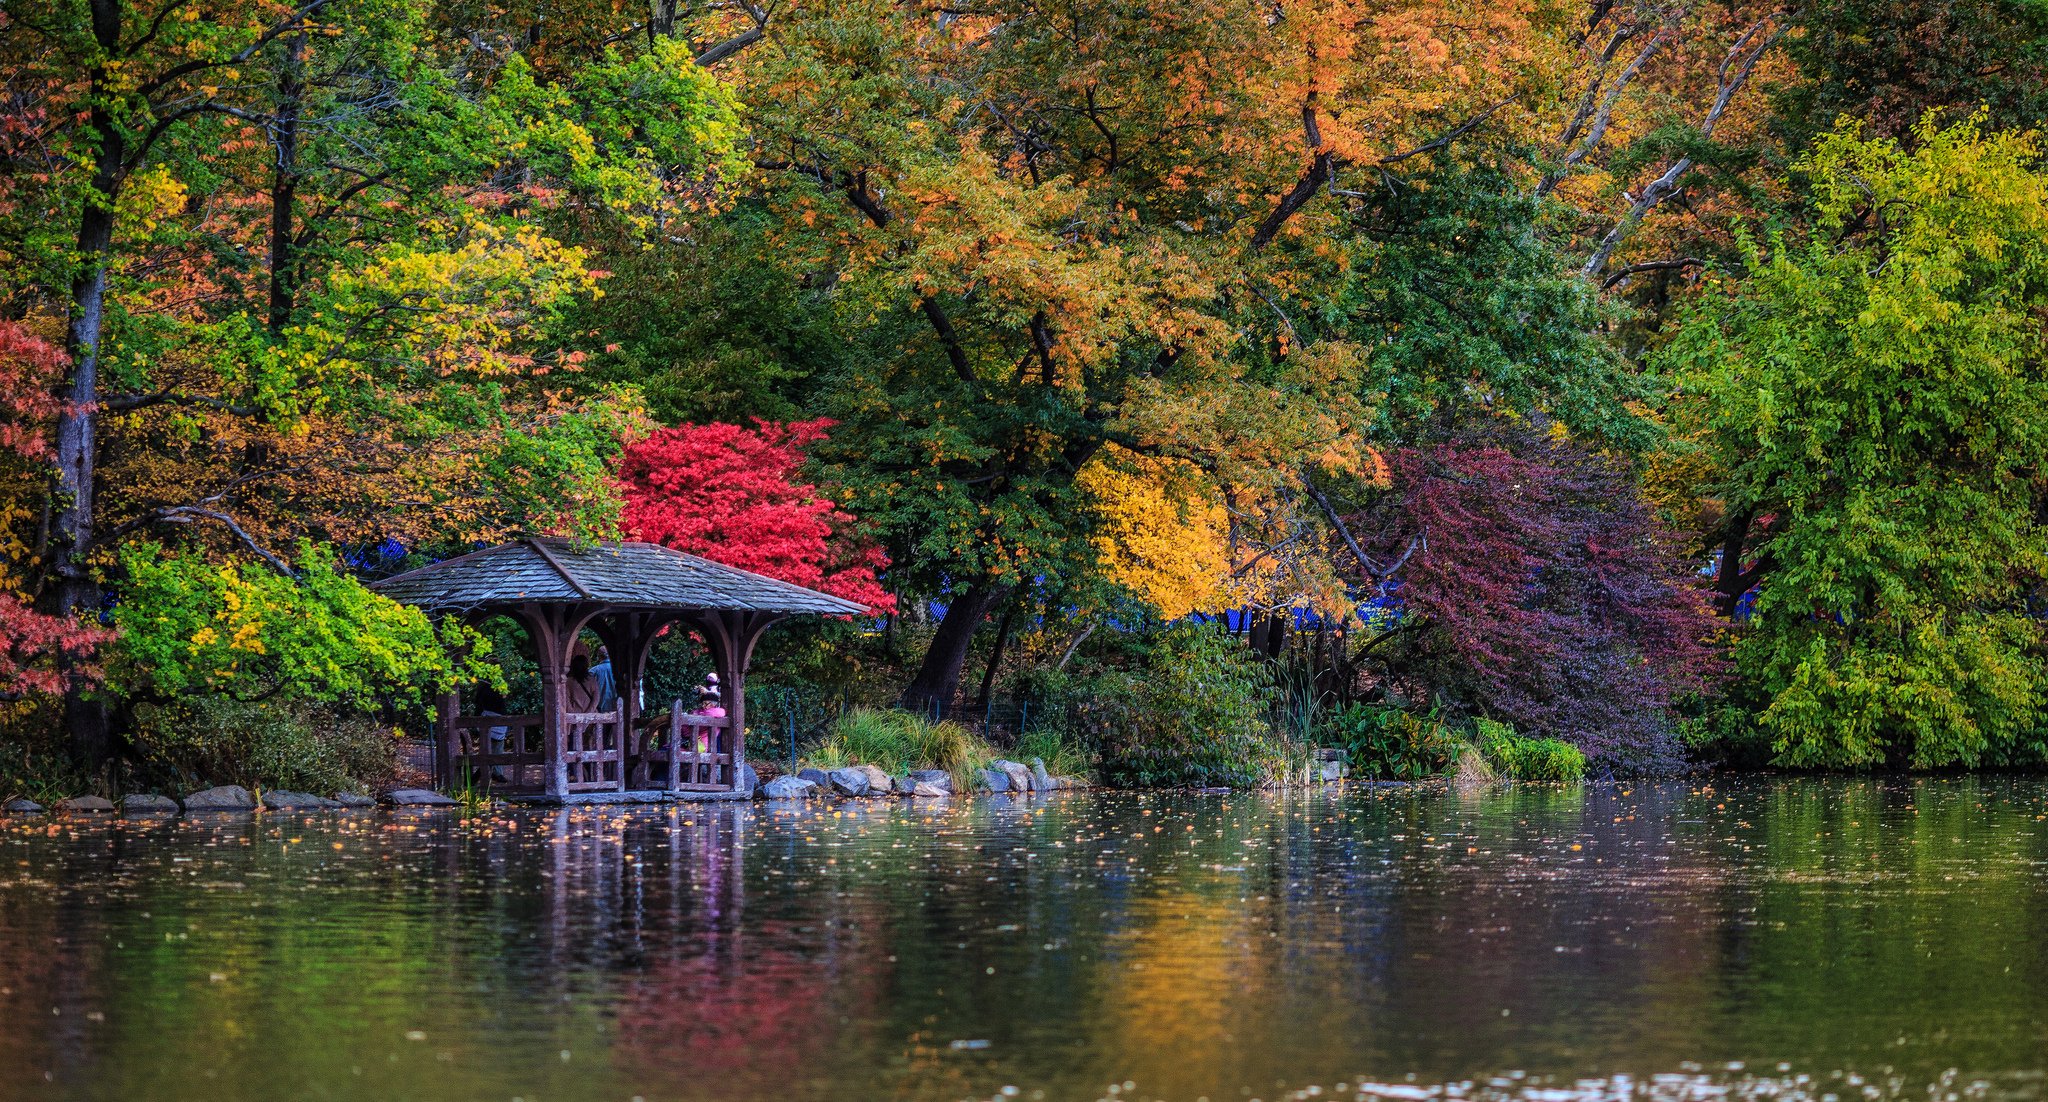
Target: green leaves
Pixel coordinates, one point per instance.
(1874, 396)
(188, 626)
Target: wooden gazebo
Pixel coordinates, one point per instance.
(625, 593)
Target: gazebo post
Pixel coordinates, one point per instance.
(551, 652)
(444, 754)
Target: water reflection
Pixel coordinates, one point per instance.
(1228, 948)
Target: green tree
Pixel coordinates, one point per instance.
(1871, 403)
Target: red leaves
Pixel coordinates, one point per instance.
(31, 644)
(29, 368)
(733, 494)
(1553, 596)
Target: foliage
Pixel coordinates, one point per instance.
(189, 627)
(1387, 742)
(1870, 401)
(897, 742)
(1521, 758)
(1199, 712)
(1164, 533)
(733, 494)
(1538, 586)
(205, 740)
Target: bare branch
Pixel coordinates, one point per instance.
(187, 514)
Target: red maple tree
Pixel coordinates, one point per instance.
(734, 495)
(31, 643)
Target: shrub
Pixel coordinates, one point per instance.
(1063, 756)
(1199, 712)
(1388, 743)
(1528, 759)
(214, 740)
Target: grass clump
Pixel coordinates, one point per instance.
(1522, 758)
(897, 742)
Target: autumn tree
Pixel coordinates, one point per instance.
(737, 496)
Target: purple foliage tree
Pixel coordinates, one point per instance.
(1543, 591)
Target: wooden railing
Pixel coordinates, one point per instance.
(689, 752)
(521, 764)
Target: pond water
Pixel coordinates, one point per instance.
(1786, 939)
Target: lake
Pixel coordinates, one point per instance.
(1756, 938)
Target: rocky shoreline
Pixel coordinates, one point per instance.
(850, 782)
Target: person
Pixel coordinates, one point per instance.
(607, 687)
(491, 702)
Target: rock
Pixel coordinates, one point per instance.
(850, 782)
(278, 800)
(879, 783)
(1073, 782)
(816, 776)
(77, 804)
(996, 780)
(1331, 771)
(750, 781)
(140, 804)
(416, 797)
(354, 800)
(1040, 779)
(935, 778)
(928, 788)
(902, 785)
(227, 797)
(788, 788)
(1020, 777)
(24, 807)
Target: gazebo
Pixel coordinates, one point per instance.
(625, 593)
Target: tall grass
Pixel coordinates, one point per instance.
(897, 742)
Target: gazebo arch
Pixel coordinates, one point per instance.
(625, 592)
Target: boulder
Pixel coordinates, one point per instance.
(416, 797)
(996, 780)
(936, 778)
(879, 783)
(816, 776)
(750, 781)
(1041, 780)
(928, 788)
(84, 804)
(1073, 782)
(227, 797)
(788, 788)
(850, 782)
(140, 804)
(1020, 777)
(279, 800)
(354, 799)
(24, 807)
(902, 785)
(1331, 771)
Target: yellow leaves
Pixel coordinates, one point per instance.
(151, 196)
(1164, 532)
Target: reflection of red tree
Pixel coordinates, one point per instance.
(726, 1006)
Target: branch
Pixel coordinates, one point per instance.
(1650, 266)
(1330, 511)
(1456, 132)
(1605, 112)
(186, 514)
(126, 402)
(292, 22)
(1734, 72)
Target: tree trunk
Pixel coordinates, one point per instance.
(938, 678)
(995, 657)
(76, 592)
(284, 183)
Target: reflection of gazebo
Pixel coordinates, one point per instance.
(625, 593)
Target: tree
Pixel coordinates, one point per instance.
(734, 495)
(1529, 582)
(1869, 399)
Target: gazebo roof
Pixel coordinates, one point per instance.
(626, 574)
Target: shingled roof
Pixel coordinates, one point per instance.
(626, 574)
